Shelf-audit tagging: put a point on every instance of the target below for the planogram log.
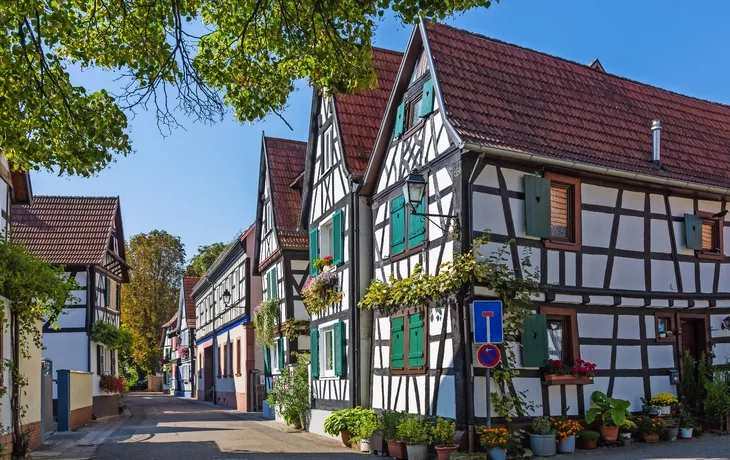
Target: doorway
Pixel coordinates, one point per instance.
(208, 381)
(693, 337)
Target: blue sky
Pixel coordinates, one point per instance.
(200, 183)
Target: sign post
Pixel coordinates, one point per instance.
(487, 327)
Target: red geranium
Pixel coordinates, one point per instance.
(113, 384)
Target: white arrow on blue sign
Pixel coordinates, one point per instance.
(486, 321)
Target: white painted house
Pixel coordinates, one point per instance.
(185, 352)
(85, 235)
(342, 134)
(281, 251)
(623, 216)
(228, 361)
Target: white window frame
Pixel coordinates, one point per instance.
(324, 340)
(275, 356)
(325, 238)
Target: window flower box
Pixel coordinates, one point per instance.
(552, 379)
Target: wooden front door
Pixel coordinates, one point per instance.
(693, 337)
(208, 373)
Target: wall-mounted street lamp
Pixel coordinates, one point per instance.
(414, 191)
(725, 323)
(226, 297)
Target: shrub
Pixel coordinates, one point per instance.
(413, 432)
(589, 435)
(542, 425)
(113, 384)
(444, 432)
(717, 401)
(290, 394)
(389, 422)
(358, 421)
(650, 425)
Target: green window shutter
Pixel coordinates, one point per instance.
(534, 341)
(416, 340)
(267, 360)
(537, 206)
(417, 226)
(314, 350)
(281, 353)
(693, 231)
(400, 120)
(427, 99)
(397, 225)
(339, 331)
(337, 239)
(274, 283)
(313, 249)
(396, 343)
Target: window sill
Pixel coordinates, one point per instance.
(565, 245)
(552, 380)
(407, 253)
(420, 370)
(667, 339)
(707, 255)
(412, 130)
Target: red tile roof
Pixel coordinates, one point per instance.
(170, 323)
(501, 95)
(285, 159)
(189, 283)
(65, 229)
(360, 114)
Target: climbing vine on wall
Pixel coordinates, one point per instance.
(293, 328)
(265, 318)
(450, 285)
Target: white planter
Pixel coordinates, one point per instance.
(365, 445)
(665, 410)
(417, 452)
(625, 435)
(685, 433)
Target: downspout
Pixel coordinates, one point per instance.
(90, 310)
(355, 396)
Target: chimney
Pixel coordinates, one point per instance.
(656, 130)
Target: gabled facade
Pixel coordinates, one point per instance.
(281, 250)
(342, 133)
(185, 385)
(85, 235)
(626, 227)
(227, 358)
(168, 362)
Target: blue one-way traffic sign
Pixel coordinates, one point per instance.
(486, 321)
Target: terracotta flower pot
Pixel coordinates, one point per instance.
(651, 437)
(609, 433)
(397, 449)
(443, 452)
(589, 444)
(345, 435)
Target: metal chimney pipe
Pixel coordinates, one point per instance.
(656, 130)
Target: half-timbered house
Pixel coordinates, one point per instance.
(186, 339)
(342, 134)
(281, 249)
(616, 189)
(85, 235)
(168, 362)
(224, 335)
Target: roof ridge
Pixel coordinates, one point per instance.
(84, 197)
(386, 50)
(272, 138)
(569, 61)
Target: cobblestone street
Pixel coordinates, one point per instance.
(165, 427)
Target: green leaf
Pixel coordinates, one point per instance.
(618, 416)
(591, 415)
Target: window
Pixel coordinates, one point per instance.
(552, 210)
(665, 327)
(230, 358)
(238, 356)
(275, 355)
(408, 342)
(99, 360)
(407, 231)
(113, 362)
(327, 240)
(200, 365)
(271, 284)
(413, 111)
(417, 104)
(328, 155)
(107, 291)
(562, 334)
(328, 352)
(704, 234)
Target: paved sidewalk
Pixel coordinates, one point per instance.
(82, 443)
(708, 447)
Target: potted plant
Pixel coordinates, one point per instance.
(390, 421)
(416, 435)
(336, 424)
(542, 438)
(588, 439)
(611, 413)
(495, 441)
(717, 402)
(445, 435)
(565, 431)
(364, 431)
(671, 429)
(625, 431)
(665, 402)
(686, 424)
(650, 427)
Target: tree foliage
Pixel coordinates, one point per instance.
(151, 298)
(195, 56)
(36, 291)
(205, 257)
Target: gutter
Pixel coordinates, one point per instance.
(614, 172)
